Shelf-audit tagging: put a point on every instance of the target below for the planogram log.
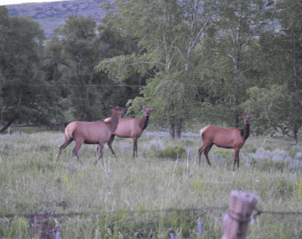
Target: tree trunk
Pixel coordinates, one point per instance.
(9, 123)
(172, 125)
(172, 131)
(178, 128)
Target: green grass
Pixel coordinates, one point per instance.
(132, 203)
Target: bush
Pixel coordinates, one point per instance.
(281, 165)
(227, 154)
(253, 162)
(171, 152)
(267, 164)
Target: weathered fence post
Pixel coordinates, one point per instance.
(236, 220)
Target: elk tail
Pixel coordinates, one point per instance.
(107, 120)
(203, 129)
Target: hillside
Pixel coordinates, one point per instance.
(53, 14)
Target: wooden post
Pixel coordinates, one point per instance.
(236, 220)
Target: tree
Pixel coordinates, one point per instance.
(232, 53)
(25, 95)
(278, 102)
(73, 52)
(168, 32)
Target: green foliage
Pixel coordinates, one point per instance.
(172, 152)
(281, 165)
(224, 153)
(249, 148)
(25, 95)
(71, 55)
(168, 32)
(276, 98)
(230, 60)
(267, 165)
(253, 162)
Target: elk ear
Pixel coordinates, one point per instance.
(242, 115)
(142, 107)
(153, 109)
(252, 115)
(110, 106)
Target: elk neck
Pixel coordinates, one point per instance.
(114, 121)
(145, 121)
(246, 131)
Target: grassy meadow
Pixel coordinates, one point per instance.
(133, 195)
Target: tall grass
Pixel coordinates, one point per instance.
(132, 195)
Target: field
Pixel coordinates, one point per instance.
(134, 196)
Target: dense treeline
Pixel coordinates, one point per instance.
(205, 60)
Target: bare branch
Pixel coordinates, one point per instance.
(232, 58)
(233, 36)
(279, 108)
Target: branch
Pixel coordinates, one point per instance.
(194, 15)
(232, 58)
(233, 36)
(279, 108)
(142, 62)
(66, 64)
(199, 34)
(248, 69)
(256, 31)
(178, 50)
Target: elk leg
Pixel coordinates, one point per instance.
(64, 145)
(101, 146)
(204, 146)
(134, 147)
(236, 158)
(110, 143)
(207, 151)
(77, 147)
(96, 150)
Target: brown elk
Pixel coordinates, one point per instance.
(130, 128)
(233, 138)
(97, 132)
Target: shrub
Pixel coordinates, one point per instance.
(280, 165)
(267, 164)
(249, 148)
(253, 162)
(224, 153)
(171, 152)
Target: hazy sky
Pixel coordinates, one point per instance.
(7, 2)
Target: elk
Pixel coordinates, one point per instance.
(233, 138)
(97, 132)
(130, 128)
